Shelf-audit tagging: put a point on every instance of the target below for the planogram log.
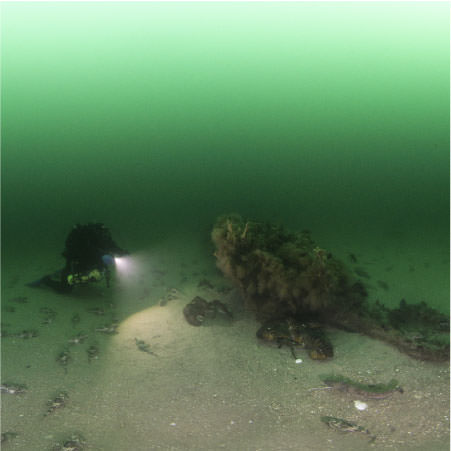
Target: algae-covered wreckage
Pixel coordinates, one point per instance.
(286, 275)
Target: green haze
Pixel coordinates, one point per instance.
(160, 116)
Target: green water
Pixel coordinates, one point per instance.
(155, 118)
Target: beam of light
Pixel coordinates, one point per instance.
(134, 276)
(127, 269)
(123, 264)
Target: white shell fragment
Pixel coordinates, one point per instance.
(298, 360)
(359, 405)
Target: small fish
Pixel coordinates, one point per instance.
(6, 436)
(96, 311)
(205, 283)
(19, 299)
(443, 325)
(64, 358)
(25, 334)
(143, 346)
(75, 319)
(108, 329)
(13, 389)
(48, 320)
(383, 285)
(56, 403)
(49, 315)
(75, 442)
(222, 308)
(367, 391)
(93, 353)
(342, 425)
(362, 273)
(159, 272)
(173, 294)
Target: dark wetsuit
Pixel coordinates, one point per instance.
(85, 246)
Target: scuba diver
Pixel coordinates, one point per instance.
(89, 254)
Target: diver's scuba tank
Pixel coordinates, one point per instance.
(89, 254)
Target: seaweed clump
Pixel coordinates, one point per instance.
(283, 274)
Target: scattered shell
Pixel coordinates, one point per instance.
(77, 339)
(359, 405)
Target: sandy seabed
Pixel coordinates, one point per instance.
(212, 387)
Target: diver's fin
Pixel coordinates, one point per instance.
(43, 280)
(38, 283)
